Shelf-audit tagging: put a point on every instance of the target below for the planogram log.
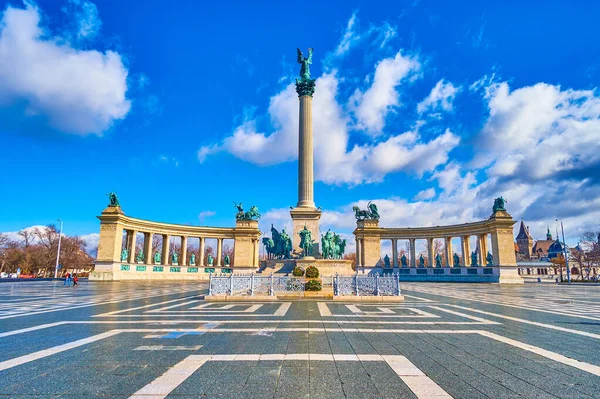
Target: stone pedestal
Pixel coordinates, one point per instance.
(309, 217)
(369, 236)
(245, 248)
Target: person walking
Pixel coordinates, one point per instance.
(67, 282)
(75, 279)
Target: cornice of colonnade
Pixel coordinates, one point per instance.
(500, 220)
(115, 215)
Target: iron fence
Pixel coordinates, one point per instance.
(238, 284)
(376, 285)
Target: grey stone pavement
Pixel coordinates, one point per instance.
(161, 340)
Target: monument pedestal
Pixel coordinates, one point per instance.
(327, 267)
(309, 217)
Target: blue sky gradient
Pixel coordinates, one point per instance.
(154, 94)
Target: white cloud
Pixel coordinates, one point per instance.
(205, 214)
(441, 96)
(349, 37)
(91, 242)
(373, 105)
(426, 194)
(77, 91)
(540, 131)
(334, 162)
(85, 17)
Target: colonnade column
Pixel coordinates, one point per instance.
(183, 260)
(362, 252)
(131, 236)
(481, 242)
(430, 253)
(413, 253)
(148, 248)
(165, 249)
(201, 254)
(256, 253)
(466, 250)
(219, 251)
(448, 248)
(485, 249)
(395, 252)
(358, 253)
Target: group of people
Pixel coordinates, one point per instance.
(71, 280)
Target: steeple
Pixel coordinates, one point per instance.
(523, 232)
(548, 235)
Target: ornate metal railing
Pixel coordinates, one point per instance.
(376, 285)
(238, 284)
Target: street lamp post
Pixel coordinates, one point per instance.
(58, 250)
(565, 252)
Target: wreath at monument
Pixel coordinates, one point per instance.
(313, 285)
(298, 272)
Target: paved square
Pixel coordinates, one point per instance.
(161, 340)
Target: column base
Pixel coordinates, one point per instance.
(309, 217)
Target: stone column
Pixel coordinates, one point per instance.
(466, 250)
(485, 248)
(165, 249)
(148, 248)
(201, 254)
(183, 261)
(131, 237)
(430, 253)
(219, 251)
(448, 248)
(413, 253)
(358, 253)
(305, 154)
(256, 252)
(362, 252)
(480, 241)
(395, 252)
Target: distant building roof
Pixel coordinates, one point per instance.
(523, 233)
(540, 248)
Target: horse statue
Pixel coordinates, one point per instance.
(252, 214)
(240, 213)
(270, 247)
(306, 241)
(371, 213)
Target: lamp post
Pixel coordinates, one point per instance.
(565, 252)
(58, 250)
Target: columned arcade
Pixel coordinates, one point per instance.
(128, 248)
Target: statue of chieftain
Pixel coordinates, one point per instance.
(306, 241)
(113, 201)
(499, 204)
(305, 86)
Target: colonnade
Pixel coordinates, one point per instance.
(131, 242)
(498, 227)
(465, 245)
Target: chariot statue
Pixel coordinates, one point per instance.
(113, 201)
(371, 213)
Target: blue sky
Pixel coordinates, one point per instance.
(428, 108)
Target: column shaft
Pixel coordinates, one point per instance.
(395, 252)
(362, 252)
(305, 154)
(165, 249)
(148, 248)
(358, 253)
(448, 248)
(131, 235)
(219, 251)
(481, 256)
(430, 253)
(256, 253)
(183, 258)
(413, 253)
(201, 254)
